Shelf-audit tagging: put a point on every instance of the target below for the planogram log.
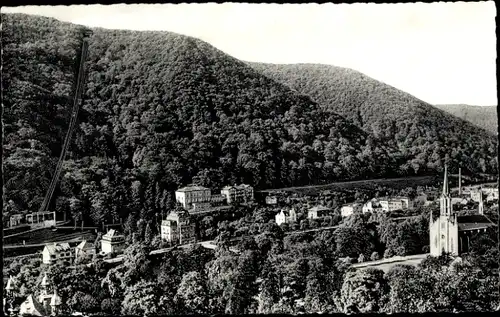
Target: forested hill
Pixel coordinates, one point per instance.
(484, 117)
(422, 134)
(159, 108)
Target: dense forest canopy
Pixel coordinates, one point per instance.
(161, 108)
(421, 135)
(482, 116)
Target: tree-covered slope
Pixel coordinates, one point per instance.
(159, 108)
(422, 135)
(484, 116)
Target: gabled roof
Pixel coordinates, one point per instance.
(286, 212)
(84, 245)
(55, 300)
(474, 222)
(37, 310)
(111, 234)
(57, 247)
(11, 284)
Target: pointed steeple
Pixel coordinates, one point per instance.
(446, 190)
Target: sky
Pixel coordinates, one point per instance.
(442, 53)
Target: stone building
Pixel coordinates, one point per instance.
(193, 194)
(239, 193)
(450, 233)
(178, 228)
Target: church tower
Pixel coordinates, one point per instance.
(444, 230)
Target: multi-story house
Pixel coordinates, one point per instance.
(57, 253)
(112, 242)
(318, 212)
(191, 194)
(239, 193)
(286, 216)
(178, 228)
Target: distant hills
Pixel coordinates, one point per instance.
(161, 108)
(420, 135)
(482, 116)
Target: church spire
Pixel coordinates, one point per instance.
(446, 190)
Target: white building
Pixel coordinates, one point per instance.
(57, 253)
(112, 242)
(239, 193)
(349, 209)
(372, 206)
(396, 203)
(85, 248)
(188, 195)
(286, 216)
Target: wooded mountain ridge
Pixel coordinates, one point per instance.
(160, 108)
(482, 116)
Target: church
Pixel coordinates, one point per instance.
(450, 233)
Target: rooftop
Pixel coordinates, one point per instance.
(474, 222)
(112, 234)
(84, 245)
(57, 247)
(192, 188)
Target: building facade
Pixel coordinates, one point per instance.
(191, 194)
(57, 253)
(112, 242)
(318, 212)
(178, 228)
(286, 216)
(372, 206)
(349, 209)
(238, 194)
(450, 233)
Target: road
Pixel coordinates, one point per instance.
(365, 181)
(386, 264)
